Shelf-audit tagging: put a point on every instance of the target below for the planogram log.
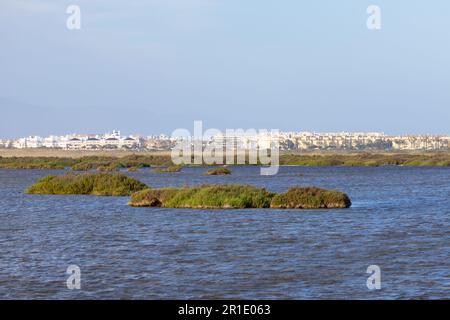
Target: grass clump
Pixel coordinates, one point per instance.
(102, 163)
(168, 169)
(108, 168)
(204, 197)
(92, 164)
(217, 172)
(239, 197)
(48, 163)
(310, 198)
(99, 184)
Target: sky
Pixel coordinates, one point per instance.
(149, 67)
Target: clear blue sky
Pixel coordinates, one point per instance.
(154, 66)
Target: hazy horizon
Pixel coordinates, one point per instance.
(191, 129)
(150, 67)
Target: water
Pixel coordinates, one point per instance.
(399, 220)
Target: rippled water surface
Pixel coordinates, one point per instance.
(399, 220)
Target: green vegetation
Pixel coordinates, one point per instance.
(205, 196)
(36, 163)
(100, 184)
(111, 163)
(217, 172)
(168, 169)
(100, 163)
(92, 163)
(310, 198)
(107, 168)
(366, 159)
(238, 197)
(132, 161)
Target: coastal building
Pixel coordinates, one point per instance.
(6, 143)
(106, 141)
(51, 142)
(307, 141)
(29, 142)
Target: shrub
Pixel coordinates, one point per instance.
(108, 168)
(217, 171)
(152, 197)
(310, 198)
(48, 163)
(101, 184)
(239, 196)
(204, 196)
(168, 169)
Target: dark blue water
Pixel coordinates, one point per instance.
(399, 220)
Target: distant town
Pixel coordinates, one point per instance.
(287, 140)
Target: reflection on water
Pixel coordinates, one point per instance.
(399, 221)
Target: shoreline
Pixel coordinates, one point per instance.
(84, 160)
(59, 153)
